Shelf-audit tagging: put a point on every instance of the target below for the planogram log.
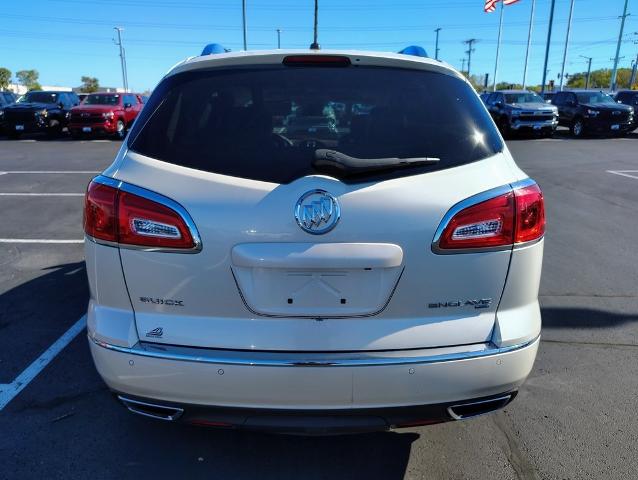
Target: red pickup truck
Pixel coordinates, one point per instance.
(107, 113)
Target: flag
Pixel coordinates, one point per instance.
(490, 5)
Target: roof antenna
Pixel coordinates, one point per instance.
(315, 45)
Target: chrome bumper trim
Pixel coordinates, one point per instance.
(300, 359)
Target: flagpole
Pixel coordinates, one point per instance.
(529, 43)
(498, 45)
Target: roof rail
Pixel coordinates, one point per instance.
(415, 50)
(214, 48)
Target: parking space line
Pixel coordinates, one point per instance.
(625, 173)
(31, 194)
(37, 240)
(10, 390)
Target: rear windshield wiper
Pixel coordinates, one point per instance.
(332, 159)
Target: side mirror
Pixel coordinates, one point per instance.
(570, 103)
(61, 105)
(127, 105)
(498, 104)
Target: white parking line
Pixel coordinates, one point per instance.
(30, 194)
(36, 240)
(625, 173)
(10, 390)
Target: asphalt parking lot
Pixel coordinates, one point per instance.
(575, 417)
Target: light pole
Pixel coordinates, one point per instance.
(243, 17)
(612, 83)
(589, 59)
(569, 28)
(122, 57)
(278, 38)
(470, 48)
(529, 43)
(549, 38)
(436, 48)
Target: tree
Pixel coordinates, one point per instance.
(89, 85)
(29, 78)
(5, 78)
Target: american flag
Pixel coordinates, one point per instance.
(490, 5)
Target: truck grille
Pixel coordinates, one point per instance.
(14, 116)
(87, 118)
(530, 117)
(609, 115)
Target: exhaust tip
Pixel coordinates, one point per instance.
(159, 412)
(467, 410)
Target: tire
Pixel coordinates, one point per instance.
(577, 128)
(55, 129)
(504, 127)
(120, 131)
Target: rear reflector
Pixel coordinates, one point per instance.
(513, 217)
(125, 218)
(316, 61)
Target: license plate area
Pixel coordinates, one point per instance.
(19, 128)
(86, 129)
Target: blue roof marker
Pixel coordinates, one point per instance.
(214, 48)
(415, 50)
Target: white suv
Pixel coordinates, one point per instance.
(314, 241)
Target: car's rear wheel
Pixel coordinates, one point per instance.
(578, 127)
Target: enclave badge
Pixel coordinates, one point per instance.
(156, 332)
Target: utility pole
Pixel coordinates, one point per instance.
(634, 70)
(529, 42)
(612, 84)
(122, 57)
(315, 44)
(436, 49)
(243, 17)
(278, 38)
(549, 38)
(498, 46)
(569, 29)
(470, 48)
(589, 59)
(463, 65)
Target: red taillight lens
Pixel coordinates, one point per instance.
(530, 214)
(144, 222)
(123, 217)
(486, 224)
(100, 216)
(513, 217)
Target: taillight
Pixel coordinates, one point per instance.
(515, 216)
(316, 60)
(120, 216)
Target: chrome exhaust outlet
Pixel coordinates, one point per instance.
(467, 410)
(159, 412)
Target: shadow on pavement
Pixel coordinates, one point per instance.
(555, 317)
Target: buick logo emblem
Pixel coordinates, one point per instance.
(84, 114)
(317, 212)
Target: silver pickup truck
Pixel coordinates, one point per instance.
(515, 110)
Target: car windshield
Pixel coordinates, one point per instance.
(39, 97)
(102, 100)
(524, 97)
(267, 123)
(594, 97)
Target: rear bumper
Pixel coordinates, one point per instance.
(294, 382)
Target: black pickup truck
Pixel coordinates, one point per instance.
(39, 111)
(593, 111)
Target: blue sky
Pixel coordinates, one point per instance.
(65, 39)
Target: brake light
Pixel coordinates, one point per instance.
(125, 218)
(316, 61)
(513, 217)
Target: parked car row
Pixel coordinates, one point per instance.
(582, 111)
(51, 112)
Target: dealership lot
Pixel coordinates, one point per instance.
(573, 419)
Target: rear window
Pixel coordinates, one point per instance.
(265, 124)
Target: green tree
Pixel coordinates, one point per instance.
(29, 78)
(89, 85)
(5, 78)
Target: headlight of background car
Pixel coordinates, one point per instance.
(592, 113)
(108, 115)
(41, 113)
